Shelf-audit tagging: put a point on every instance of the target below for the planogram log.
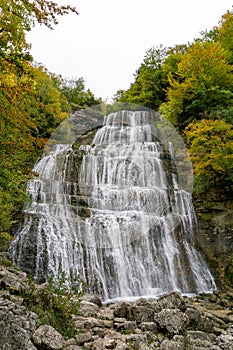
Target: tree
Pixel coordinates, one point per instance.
(210, 144)
(225, 34)
(31, 105)
(204, 83)
(150, 81)
(76, 93)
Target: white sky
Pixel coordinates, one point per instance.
(106, 43)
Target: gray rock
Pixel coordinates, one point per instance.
(141, 311)
(97, 344)
(170, 301)
(171, 345)
(12, 279)
(198, 335)
(149, 326)
(194, 318)
(206, 324)
(105, 314)
(225, 340)
(109, 343)
(70, 341)
(171, 320)
(125, 326)
(88, 309)
(122, 310)
(83, 338)
(92, 298)
(92, 322)
(16, 326)
(99, 332)
(47, 338)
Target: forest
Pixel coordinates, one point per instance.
(190, 84)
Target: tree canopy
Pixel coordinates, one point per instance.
(192, 86)
(33, 101)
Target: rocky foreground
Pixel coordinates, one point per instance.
(172, 322)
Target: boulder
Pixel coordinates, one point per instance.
(225, 340)
(92, 298)
(84, 338)
(12, 279)
(47, 338)
(170, 301)
(88, 309)
(141, 311)
(16, 326)
(172, 320)
(122, 310)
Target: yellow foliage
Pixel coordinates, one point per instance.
(211, 150)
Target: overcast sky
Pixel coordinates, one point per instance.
(106, 43)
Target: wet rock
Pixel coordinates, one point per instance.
(206, 324)
(122, 310)
(171, 320)
(47, 338)
(92, 298)
(141, 311)
(170, 301)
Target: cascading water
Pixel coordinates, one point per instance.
(121, 222)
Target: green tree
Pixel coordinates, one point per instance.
(76, 93)
(150, 81)
(19, 16)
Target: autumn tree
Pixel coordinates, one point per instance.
(225, 34)
(203, 83)
(31, 105)
(210, 145)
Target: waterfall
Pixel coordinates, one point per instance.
(114, 213)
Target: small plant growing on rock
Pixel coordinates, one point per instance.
(55, 301)
(229, 271)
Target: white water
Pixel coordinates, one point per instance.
(137, 237)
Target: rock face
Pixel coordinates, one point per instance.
(16, 326)
(215, 233)
(172, 322)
